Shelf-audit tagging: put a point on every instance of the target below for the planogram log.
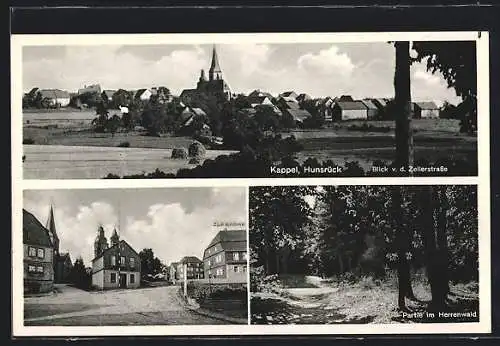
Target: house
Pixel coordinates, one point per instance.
(143, 94)
(38, 252)
(214, 86)
(62, 262)
(298, 115)
(194, 268)
(344, 98)
(425, 110)
(349, 110)
(55, 97)
(372, 109)
(115, 266)
(90, 89)
(173, 274)
(108, 94)
(259, 93)
(303, 97)
(225, 258)
(292, 95)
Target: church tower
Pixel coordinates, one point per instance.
(215, 72)
(51, 227)
(100, 243)
(115, 238)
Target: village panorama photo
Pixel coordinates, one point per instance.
(247, 108)
(125, 257)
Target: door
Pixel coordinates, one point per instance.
(123, 280)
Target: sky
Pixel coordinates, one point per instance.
(174, 222)
(318, 69)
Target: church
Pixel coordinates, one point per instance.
(62, 261)
(116, 265)
(214, 86)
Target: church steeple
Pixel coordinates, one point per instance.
(51, 227)
(100, 243)
(115, 238)
(215, 71)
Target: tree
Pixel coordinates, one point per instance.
(402, 107)
(457, 62)
(79, 276)
(150, 265)
(404, 159)
(101, 121)
(113, 124)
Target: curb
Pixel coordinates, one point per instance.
(207, 313)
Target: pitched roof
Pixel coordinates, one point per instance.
(109, 93)
(289, 94)
(259, 93)
(54, 94)
(380, 101)
(299, 114)
(369, 104)
(199, 111)
(34, 233)
(426, 105)
(139, 93)
(190, 259)
(112, 247)
(230, 240)
(351, 105)
(344, 98)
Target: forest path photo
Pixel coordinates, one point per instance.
(364, 254)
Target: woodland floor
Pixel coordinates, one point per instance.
(316, 301)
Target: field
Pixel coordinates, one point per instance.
(433, 139)
(58, 118)
(93, 162)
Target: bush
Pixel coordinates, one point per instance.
(124, 145)
(28, 141)
(196, 150)
(194, 161)
(179, 153)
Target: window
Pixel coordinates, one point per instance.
(32, 251)
(41, 253)
(39, 269)
(236, 256)
(132, 278)
(244, 269)
(122, 261)
(219, 272)
(113, 260)
(235, 269)
(132, 262)
(218, 258)
(244, 255)
(31, 269)
(113, 278)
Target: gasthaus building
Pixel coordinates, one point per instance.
(115, 266)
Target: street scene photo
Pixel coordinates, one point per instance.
(249, 110)
(394, 254)
(150, 256)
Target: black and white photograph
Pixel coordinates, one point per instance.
(390, 254)
(243, 108)
(121, 257)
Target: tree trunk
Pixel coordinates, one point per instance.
(433, 260)
(442, 242)
(402, 242)
(402, 103)
(341, 264)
